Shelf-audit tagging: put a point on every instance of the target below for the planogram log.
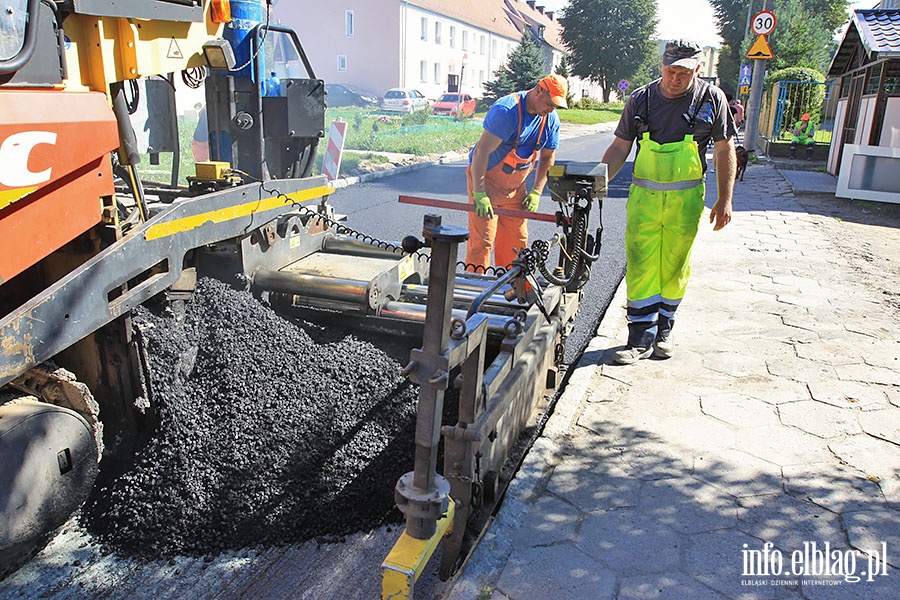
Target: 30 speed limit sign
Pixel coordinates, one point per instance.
(763, 22)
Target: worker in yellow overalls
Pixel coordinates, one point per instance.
(519, 130)
(673, 120)
(803, 133)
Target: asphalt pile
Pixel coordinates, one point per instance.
(271, 431)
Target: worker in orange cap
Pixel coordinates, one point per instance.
(804, 129)
(519, 130)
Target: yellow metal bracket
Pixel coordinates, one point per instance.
(406, 561)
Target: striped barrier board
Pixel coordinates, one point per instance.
(331, 165)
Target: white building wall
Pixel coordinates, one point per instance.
(483, 52)
(373, 54)
(387, 49)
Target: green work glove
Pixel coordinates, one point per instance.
(531, 201)
(483, 206)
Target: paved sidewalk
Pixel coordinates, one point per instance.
(772, 434)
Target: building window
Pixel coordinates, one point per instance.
(437, 72)
(423, 71)
(342, 62)
(483, 44)
(494, 48)
(891, 79)
(437, 32)
(481, 78)
(873, 80)
(424, 29)
(452, 36)
(465, 40)
(349, 27)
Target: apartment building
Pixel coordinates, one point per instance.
(380, 44)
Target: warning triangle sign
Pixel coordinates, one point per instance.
(174, 50)
(760, 49)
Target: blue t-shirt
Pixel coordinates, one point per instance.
(502, 120)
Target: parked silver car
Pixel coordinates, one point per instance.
(403, 100)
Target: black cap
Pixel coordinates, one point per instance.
(682, 53)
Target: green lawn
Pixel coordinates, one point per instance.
(591, 116)
(373, 131)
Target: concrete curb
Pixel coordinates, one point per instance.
(365, 178)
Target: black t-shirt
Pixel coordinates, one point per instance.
(713, 120)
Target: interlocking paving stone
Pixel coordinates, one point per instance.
(666, 586)
(819, 419)
(871, 456)
(556, 572)
(777, 420)
(630, 542)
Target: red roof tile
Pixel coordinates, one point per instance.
(503, 17)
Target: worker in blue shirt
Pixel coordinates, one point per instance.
(520, 129)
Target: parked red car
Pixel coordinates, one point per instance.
(451, 104)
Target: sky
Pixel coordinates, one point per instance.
(690, 18)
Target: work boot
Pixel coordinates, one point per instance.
(631, 354)
(664, 346)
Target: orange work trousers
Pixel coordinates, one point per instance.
(503, 235)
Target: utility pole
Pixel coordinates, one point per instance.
(754, 103)
(762, 24)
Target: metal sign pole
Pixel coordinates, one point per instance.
(754, 103)
(762, 25)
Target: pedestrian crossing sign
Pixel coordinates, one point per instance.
(745, 80)
(760, 49)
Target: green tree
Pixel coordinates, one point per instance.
(805, 99)
(609, 39)
(563, 69)
(731, 16)
(803, 35)
(647, 72)
(803, 38)
(522, 71)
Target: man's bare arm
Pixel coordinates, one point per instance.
(726, 166)
(547, 158)
(487, 143)
(616, 155)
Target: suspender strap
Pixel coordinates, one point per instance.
(696, 108)
(519, 109)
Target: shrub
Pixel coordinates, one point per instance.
(808, 100)
(587, 102)
(420, 117)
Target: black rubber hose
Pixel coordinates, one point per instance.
(127, 138)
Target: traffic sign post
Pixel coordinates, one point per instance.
(763, 24)
(760, 49)
(744, 80)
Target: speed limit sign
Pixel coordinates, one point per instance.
(763, 22)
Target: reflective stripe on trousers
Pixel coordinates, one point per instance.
(665, 203)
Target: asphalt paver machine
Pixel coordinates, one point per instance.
(87, 93)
